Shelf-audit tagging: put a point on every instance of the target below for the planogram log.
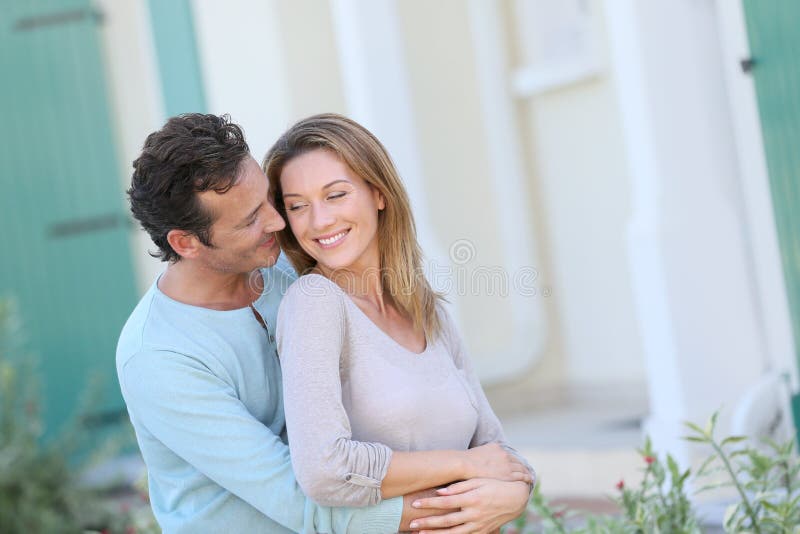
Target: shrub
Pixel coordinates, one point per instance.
(765, 478)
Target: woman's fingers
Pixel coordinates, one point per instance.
(439, 521)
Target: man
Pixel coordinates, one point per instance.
(196, 360)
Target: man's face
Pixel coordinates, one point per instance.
(245, 222)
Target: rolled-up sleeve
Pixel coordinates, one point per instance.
(331, 467)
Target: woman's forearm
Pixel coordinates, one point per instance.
(414, 471)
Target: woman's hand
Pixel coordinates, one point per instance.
(493, 461)
(483, 506)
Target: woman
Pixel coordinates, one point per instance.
(374, 371)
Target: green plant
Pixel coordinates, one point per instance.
(660, 503)
(765, 479)
(37, 493)
(40, 489)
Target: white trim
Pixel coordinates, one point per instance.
(136, 104)
(534, 80)
(761, 231)
(529, 332)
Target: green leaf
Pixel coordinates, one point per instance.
(716, 485)
(730, 515)
(694, 427)
(672, 465)
(732, 439)
(706, 464)
(696, 439)
(769, 506)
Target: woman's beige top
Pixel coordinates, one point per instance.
(352, 395)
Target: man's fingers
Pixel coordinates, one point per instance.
(468, 528)
(522, 476)
(444, 502)
(439, 521)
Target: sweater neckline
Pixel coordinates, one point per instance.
(350, 302)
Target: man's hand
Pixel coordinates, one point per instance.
(411, 513)
(483, 505)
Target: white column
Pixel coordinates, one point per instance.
(377, 94)
(529, 331)
(243, 66)
(692, 281)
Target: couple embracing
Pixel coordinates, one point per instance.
(333, 402)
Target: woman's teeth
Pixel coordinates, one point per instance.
(333, 239)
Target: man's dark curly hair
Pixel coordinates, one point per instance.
(190, 154)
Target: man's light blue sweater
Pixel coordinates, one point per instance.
(203, 390)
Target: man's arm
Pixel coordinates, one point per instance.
(199, 417)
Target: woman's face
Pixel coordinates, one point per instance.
(332, 212)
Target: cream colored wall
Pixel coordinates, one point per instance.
(454, 154)
(278, 63)
(582, 192)
(578, 187)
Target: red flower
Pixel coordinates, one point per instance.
(558, 514)
(621, 485)
(649, 460)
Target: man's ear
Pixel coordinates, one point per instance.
(184, 243)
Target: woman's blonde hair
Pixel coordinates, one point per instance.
(400, 255)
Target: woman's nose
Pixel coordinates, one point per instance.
(321, 216)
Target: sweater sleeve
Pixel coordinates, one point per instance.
(331, 467)
(489, 428)
(197, 415)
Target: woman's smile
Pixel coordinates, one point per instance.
(332, 240)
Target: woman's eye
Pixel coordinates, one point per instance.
(338, 194)
(295, 207)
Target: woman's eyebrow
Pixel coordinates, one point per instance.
(326, 186)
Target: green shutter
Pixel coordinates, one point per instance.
(64, 239)
(772, 27)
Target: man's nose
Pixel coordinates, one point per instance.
(275, 222)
